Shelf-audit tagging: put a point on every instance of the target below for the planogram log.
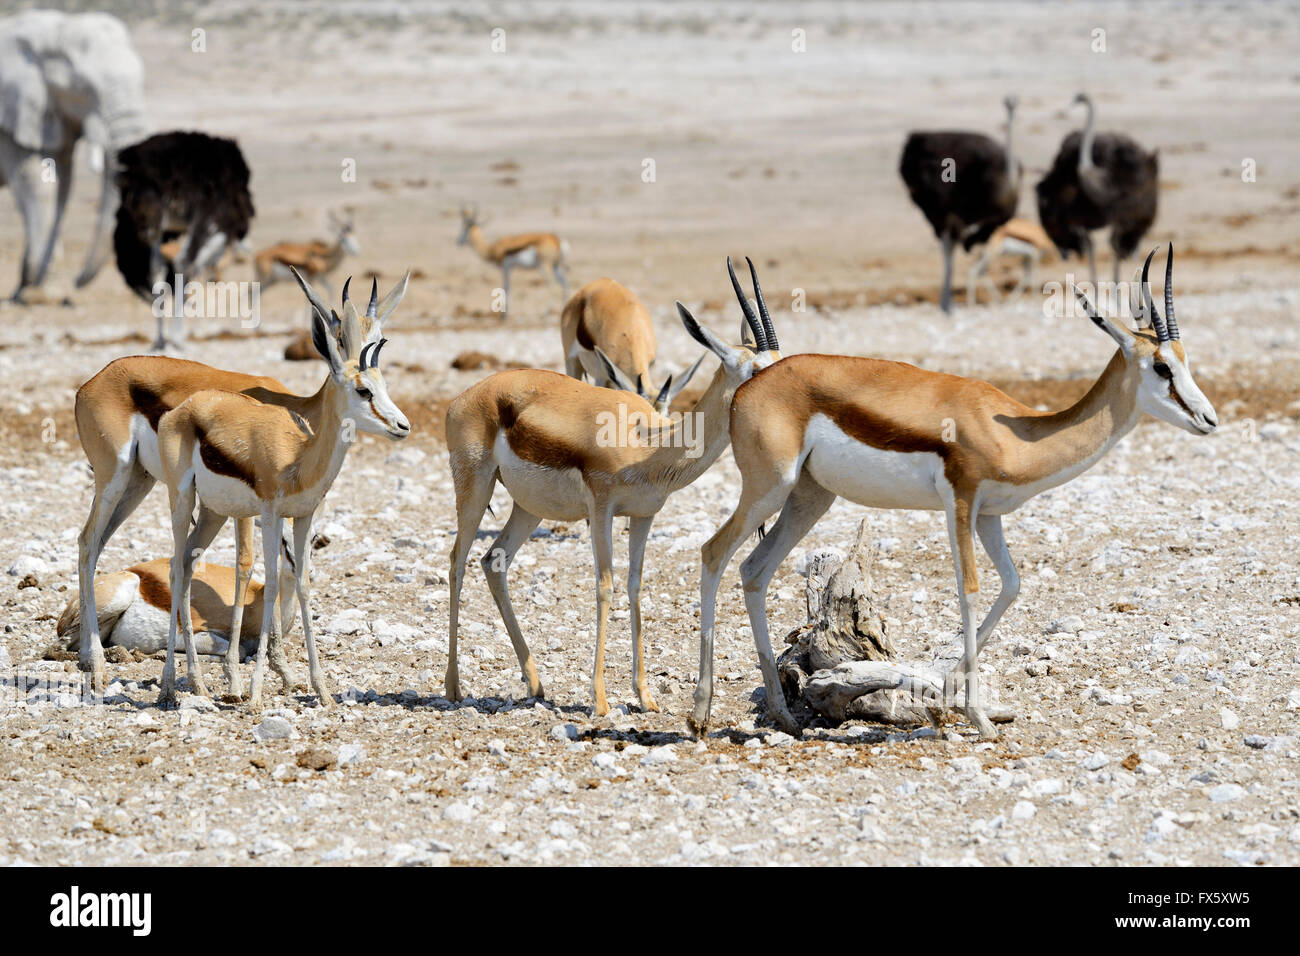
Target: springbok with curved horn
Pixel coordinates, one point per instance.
(812, 427)
(240, 458)
(608, 337)
(556, 446)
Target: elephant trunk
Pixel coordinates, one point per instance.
(118, 123)
(102, 237)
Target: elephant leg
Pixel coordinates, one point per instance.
(63, 186)
(22, 170)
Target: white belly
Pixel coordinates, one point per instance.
(556, 494)
(524, 259)
(869, 476)
(143, 627)
(146, 445)
(223, 494)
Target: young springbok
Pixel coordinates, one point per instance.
(890, 435)
(315, 259)
(240, 458)
(530, 250)
(608, 336)
(565, 450)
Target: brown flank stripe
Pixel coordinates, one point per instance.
(219, 463)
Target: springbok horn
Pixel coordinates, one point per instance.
(346, 282)
(372, 310)
(663, 392)
(1169, 294)
(321, 308)
(760, 337)
(762, 309)
(374, 356)
(365, 348)
(1157, 323)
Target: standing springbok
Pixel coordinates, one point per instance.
(812, 427)
(608, 336)
(558, 447)
(1021, 238)
(315, 259)
(530, 250)
(240, 458)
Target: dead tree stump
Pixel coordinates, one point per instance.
(843, 627)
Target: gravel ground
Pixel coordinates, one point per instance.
(1151, 661)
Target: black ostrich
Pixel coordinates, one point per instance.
(965, 183)
(189, 187)
(1098, 180)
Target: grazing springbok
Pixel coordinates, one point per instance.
(315, 260)
(530, 250)
(890, 435)
(241, 458)
(608, 336)
(566, 450)
(1021, 238)
(135, 605)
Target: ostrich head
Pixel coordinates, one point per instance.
(1156, 363)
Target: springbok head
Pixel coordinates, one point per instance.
(468, 220)
(1155, 357)
(344, 233)
(759, 347)
(350, 345)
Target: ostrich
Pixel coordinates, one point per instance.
(189, 187)
(1098, 180)
(965, 184)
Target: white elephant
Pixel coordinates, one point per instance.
(63, 77)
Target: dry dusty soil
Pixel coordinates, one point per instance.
(1151, 661)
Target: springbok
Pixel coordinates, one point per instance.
(1021, 238)
(530, 250)
(608, 336)
(315, 259)
(564, 450)
(241, 457)
(890, 435)
(134, 607)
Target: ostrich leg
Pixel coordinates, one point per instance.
(945, 296)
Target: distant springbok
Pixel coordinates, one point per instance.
(314, 260)
(530, 250)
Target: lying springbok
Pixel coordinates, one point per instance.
(134, 608)
(890, 435)
(546, 438)
(608, 336)
(544, 251)
(117, 413)
(315, 260)
(239, 457)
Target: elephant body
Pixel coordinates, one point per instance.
(64, 77)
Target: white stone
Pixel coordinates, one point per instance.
(273, 728)
(1023, 810)
(1228, 719)
(1226, 792)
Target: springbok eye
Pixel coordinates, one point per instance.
(1163, 370)
(364, 393)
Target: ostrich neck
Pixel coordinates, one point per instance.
(1085, 145)
(1011, 159)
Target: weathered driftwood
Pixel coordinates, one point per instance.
(842, 664)
(845, 631)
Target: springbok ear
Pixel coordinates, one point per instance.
(326, 343)
(710, 341)
(1122, 336)
(615, 374)
(680, 381)
(747, 335)
(388, 305)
